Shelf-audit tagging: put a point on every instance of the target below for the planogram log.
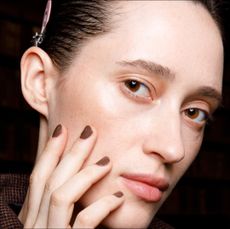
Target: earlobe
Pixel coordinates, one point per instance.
(36, 68)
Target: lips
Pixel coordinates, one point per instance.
(146, 187)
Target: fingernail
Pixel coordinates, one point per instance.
(57, 131)
(118, 194)
(86, 132)
(103, 161)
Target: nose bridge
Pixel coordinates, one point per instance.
(166, 138)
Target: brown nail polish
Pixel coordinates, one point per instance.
(103, 161)
(118, 194)
(57, 131)
(86, 132)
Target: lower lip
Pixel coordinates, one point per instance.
(143, 190)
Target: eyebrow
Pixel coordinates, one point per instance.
(151, 67)
(210, 93)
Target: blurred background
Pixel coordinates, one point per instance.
(202, 197)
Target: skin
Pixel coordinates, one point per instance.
(147, 130)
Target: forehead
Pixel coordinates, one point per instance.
(179, 34)
(179, 14)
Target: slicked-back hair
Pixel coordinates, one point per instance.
(73, 22)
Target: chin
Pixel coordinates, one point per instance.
(130, 215)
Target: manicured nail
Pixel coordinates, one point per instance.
(57, 131)
(86, 132)
(103, 161)
(118, 194)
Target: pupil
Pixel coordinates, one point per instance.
(192, 112)
(133, 85)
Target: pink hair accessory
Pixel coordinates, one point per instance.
(46, 16)
(38, 37)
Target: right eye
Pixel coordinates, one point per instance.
(197, 115)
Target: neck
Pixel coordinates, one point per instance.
(43, 135)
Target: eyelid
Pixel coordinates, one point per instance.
(198, 104)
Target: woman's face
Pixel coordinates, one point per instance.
(147, 87)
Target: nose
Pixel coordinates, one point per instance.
(164, 138)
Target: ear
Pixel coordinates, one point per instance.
(36, 70)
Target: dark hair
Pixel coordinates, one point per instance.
(73, 22)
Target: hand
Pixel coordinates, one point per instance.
(58, 181)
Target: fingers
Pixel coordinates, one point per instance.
(58, 182)
(23, 213)
(63, 199)
(72, 162)
(69, 165)
(42, 170)
(93, 215)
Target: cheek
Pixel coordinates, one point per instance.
(192, 143)
(100, 104)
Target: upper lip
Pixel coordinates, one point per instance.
(159, 182)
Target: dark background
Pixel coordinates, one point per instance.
(202, 197)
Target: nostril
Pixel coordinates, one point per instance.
(175, 155)
(168, 155)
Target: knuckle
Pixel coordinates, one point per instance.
(108, 201)
(90, 171)
(35, 178)
(87, 172)
(58, 198)
(83, 219)
(31, 179)
(51, 185)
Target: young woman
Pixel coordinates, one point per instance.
(124, 89)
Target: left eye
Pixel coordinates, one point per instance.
(197, 115)
(137, 88)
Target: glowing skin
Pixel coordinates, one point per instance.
(144, 128)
